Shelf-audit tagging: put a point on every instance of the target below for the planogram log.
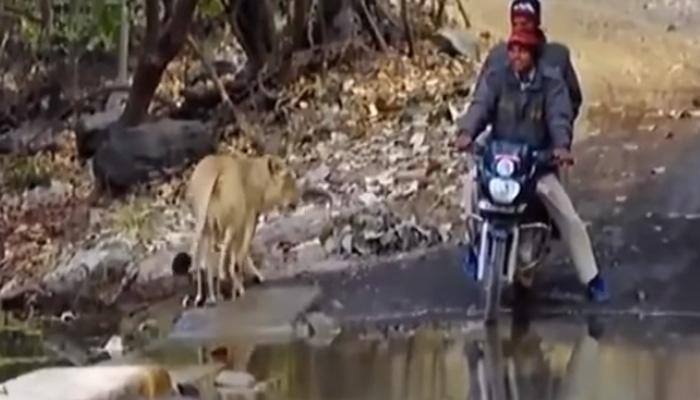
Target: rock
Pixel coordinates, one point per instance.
(92, 131)
(114, 346)
(107, 263)
(658, 171)
(235, 379)
(324, 329)
(417, 141)
(631, 146)
(685, 114)
(160, 265)
(263, 315)
(445, 231)
(309, 252)
(99, 382)
(457, 41)
(346, 244)
(40, 196)
(30, 138)
(368, 199)
(318, 175)
(127, 156)
(338, 138)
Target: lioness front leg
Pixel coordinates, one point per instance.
(197, 260)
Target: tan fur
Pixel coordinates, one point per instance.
(227, 195)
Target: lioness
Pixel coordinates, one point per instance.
(227, 195)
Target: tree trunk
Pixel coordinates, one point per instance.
(253, 25)
(160, 47)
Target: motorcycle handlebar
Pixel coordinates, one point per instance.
(543, 157)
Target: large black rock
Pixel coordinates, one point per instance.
(126, 156)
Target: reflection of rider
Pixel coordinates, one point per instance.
(527, 100)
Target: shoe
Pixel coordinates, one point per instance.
(597, 290)
(470, 262)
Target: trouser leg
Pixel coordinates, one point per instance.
(572, 229)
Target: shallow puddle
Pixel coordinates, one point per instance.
(545, 361)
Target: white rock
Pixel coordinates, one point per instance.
(417, 140)
(318, 174)
(235, 379)
(90, 383)
(309, 252)
(369, 199)
(114, 346)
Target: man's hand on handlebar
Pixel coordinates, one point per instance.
(464, 141)
(563, 157)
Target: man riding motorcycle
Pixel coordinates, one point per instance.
(527, 100)
(527, 15)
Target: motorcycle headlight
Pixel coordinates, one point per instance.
(505, 167)
(504, 191)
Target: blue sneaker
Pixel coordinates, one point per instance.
(470, 262)
(597, 290)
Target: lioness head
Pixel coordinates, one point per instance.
(282, 189)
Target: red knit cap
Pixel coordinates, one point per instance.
(527, 38)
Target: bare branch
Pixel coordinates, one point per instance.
(16, 12)
(407, 28)
(440, 14)
(463, 11)
(46, 10)
(373, 26)
(209, 67)
(243, 123)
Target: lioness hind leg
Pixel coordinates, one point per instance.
(213, 288)
(253, 270)
(238, 290)
(247, 263)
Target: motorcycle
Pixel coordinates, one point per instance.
(511, 229)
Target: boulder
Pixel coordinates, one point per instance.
(126, 156)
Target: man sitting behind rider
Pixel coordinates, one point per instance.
(527, 15)
(527, 100)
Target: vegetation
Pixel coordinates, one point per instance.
(280, 39)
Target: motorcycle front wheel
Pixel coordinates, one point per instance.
(493, 274)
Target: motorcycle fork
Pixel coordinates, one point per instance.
(485, 247)
(513, 254)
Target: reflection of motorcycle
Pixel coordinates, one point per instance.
(518, 367)
(511, 229)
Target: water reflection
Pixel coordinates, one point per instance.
(520, 368)
(548, 361)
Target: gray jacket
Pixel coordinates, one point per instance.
(540, 114)
(553, 54)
